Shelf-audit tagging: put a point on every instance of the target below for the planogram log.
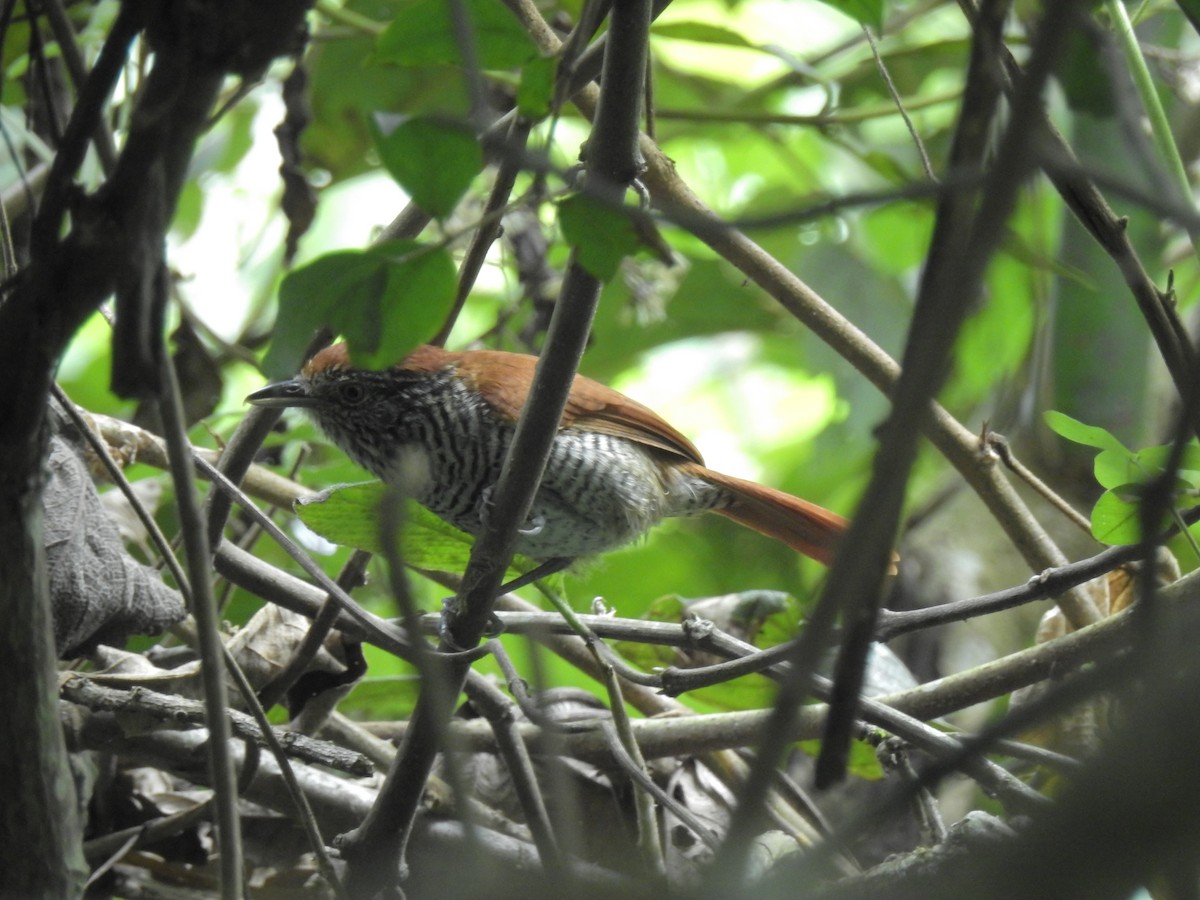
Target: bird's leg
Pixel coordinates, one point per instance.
(495, 626)
(533, 525)
(543, 569)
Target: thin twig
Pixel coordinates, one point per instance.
(649, 842)
(209, 644)
(499, 713)
(895, 94)
(997, 444)
(308, 821)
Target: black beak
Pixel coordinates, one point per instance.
(282, 394)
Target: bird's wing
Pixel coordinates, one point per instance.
(504, 379)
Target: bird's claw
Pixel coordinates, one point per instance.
(533, 525)
(494, 628)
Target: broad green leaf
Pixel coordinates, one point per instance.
(537, 88)
(419, 294)
(1116, 519)
(384, 301)
(315, 295)
(423, 34)
(1088, 435)
(865, 12)
(350, 515)
(600, 235)
(434, 161)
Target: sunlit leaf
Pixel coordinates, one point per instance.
(351, 516)
(1116, 519)
(701, 33)
(1112, 468)
(1088, 435)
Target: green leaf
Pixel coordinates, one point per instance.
(188, 210)
(863, 762)
(433, 160)
(1088, 435)
(601, 236)
(385, 301)
(423, 34)
(350, 515)
(1114, 469)
(1115, 519)
(701, 33)
(865, 12)
(1153, 460)
(668, 608)
(313, 296)
(419, 294)
(537, 88)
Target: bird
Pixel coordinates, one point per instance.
(439, 423)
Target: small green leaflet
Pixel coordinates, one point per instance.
(1088, 435)
(1117, 517)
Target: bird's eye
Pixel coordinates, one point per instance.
(352, 393)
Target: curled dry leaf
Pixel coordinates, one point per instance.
(99, 593)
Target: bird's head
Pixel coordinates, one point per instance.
(357, 408)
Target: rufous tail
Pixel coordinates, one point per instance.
(803, 526)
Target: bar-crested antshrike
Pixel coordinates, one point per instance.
(439, 423)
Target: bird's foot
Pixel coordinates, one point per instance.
(494, 628)
(533, 524)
